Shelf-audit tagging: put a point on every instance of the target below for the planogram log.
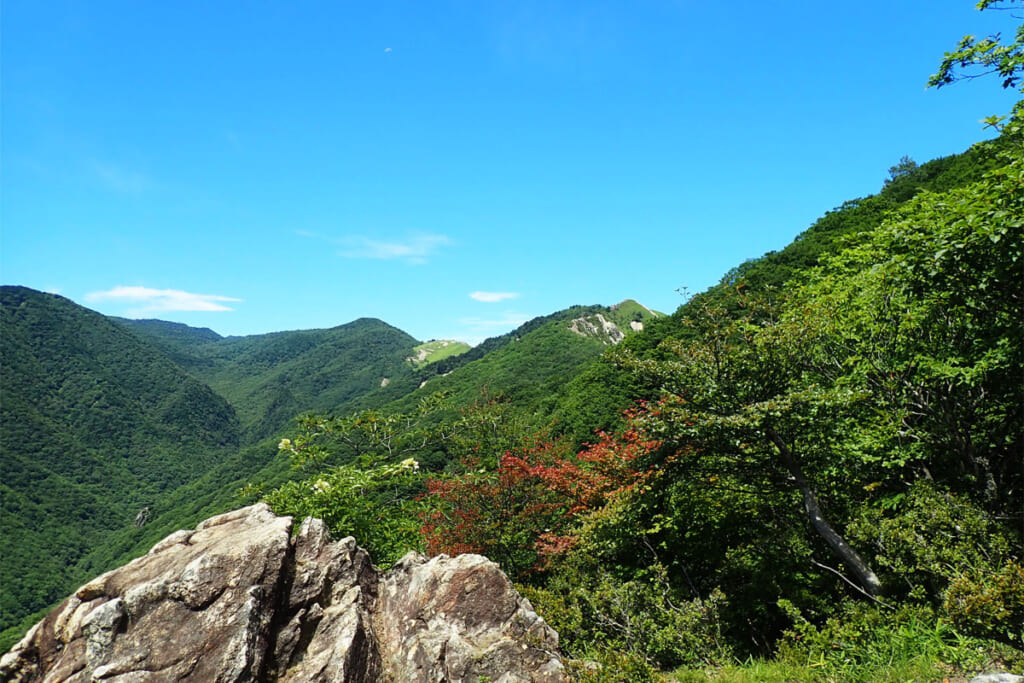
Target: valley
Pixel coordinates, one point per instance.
(103, 417)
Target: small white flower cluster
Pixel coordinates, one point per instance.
(285, 445)
(410, 464)
(321, 486)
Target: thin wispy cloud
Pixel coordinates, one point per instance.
(148, 300)
(493, 297)
(413, 249)
(122, 180)
(506, 319)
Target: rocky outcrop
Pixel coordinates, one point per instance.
(238, 599)
(460, 619)
(597, 327)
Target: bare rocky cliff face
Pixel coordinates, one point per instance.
(597, 327)
(239, 599)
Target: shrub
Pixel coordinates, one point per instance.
(989, 604)
(925, 537)
(595, 611)
(862, 642)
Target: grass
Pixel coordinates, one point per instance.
(909, 645)
(629, 310)
(775, 671)
(435, 350)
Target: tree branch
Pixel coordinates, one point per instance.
(865, 575)
(852, 584)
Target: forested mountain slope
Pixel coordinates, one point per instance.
(95, 424)
(177, 340)
(596, 397)
(839, 227)
(528, 367)
(103, 417)
(270, 378)
(530, 364)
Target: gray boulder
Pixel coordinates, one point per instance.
(237, 599)
(460, 619)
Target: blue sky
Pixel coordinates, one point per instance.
(453, 168)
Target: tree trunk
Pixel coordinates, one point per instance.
(865, 576)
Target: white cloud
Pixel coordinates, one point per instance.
(156, 300)
(493, 297)
(414, 249)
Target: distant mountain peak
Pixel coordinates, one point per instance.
(612, 327)
(633, 304)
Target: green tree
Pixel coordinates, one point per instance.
(926, 314)
(899, 359)
(374, 503)
(738, 399)
(976, 57)
(906, 166)
(362, 476)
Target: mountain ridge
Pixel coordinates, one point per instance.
(198, 407)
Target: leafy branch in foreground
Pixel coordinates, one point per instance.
(370, 435)
(986, 55)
